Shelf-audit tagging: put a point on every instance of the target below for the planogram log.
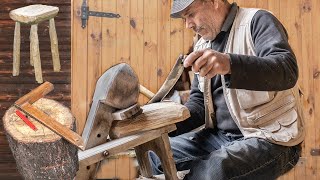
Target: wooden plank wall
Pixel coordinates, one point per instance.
(11, 88)
(147, 39)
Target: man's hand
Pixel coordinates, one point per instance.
(208, 63)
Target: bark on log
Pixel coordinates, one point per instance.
(42, 154)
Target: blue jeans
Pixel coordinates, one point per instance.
(211, 155)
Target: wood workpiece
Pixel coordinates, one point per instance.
(42, 154)
(153, 116)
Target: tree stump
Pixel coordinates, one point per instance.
(42, 154)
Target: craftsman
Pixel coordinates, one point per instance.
(244, 91)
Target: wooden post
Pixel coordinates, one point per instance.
(54, 46)
(42, 154)
(16, 50)
(35, 53)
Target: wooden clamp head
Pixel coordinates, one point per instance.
(116, 89)
(25, 104)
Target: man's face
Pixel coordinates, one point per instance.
(205, 18)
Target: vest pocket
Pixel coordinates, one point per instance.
(272, 111)
(283, 128)
(249, 99)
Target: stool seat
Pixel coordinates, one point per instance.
(34, 14)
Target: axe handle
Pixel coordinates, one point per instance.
(35, 94)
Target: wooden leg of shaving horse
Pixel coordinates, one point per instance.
(161, 146)
(143, 160)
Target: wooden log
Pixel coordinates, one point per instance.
(16, 50)
(54, 46)
(42, 154)
(154, 116)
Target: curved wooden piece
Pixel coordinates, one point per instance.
(171, 80)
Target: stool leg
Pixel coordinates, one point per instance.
(54, 46)
(35, 53)
(16, 50)
(31, 49)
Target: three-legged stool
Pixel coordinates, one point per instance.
(33, 15)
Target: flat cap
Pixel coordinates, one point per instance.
(178, 6)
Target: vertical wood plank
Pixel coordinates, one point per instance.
(123, 167)
(150, 45)
(250, 3)
(94, 50)
(263, 4)
(307, 81)
(136, 40)
(123, 32)
(109, 39)
(274, 7)
(108, 59)
(187, 40)
(289, 175)
(246, 3)
(316, 76)
(79, 67)
(291, 19)
(300, 170)
(164, 40)
(108, 171)
(176, 39)
(133, 167)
